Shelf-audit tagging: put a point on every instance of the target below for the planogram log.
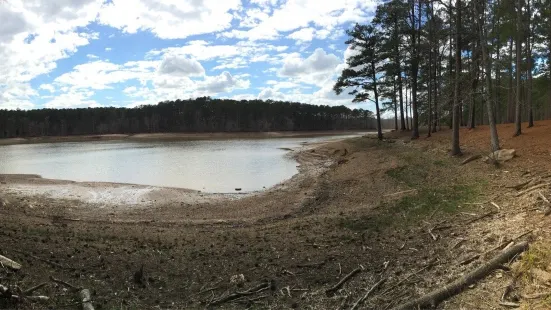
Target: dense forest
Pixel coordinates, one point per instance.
(453, 63)
(194, 115)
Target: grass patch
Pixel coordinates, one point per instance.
(440, 183)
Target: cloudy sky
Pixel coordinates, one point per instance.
(87, 53)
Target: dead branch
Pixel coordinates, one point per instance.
(402, 192)
(509, 304)
(441, 294)
(9, 263)
(532, 189)
(496, 205)
(536, 296)
(544, 198)
(485, 215)
(346, 278)
(520, 185)
(34, 288)
(257, 289)
(364, 297)
(54, 264)
(469, 159)
(69, 285)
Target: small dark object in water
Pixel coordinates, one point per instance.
(238, 189)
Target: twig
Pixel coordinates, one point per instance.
(311, 265)
(44, 260)
(364, 297)
(495, 205)
(509, 288)
(402, 192)
(544, 198)
(34, 288)
(532, 189)
(343, 281)
(405, 279)
(520, 185)
(69, 285)
(254, 290)
(536, 296)
(509, 304)
(480, 217)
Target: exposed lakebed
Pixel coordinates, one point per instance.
(208, 166)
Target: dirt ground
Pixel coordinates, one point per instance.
(399, 210)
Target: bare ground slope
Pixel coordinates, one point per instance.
(399, 210)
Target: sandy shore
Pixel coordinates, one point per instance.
(181, 136)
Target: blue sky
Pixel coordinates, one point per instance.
(88, 53)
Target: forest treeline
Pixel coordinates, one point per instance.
(194, 115)
(453, 63)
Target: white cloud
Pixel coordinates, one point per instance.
(304, 34)
(48, 87)
(92, 56)
(224, 82)
(180, 66)
(108, 49)
(169, 19)
(296, 14)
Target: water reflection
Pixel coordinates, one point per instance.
(212, 166)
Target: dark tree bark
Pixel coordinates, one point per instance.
(479, 12)
(529, 69)
(456, 150)
(518, 112)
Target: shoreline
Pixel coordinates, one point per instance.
(181, 136)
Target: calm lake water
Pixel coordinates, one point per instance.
(210, 166)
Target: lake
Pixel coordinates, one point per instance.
(209, 166)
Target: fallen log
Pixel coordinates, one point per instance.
(469, 159)
(9, 263)
(337, 286)
(437, 296)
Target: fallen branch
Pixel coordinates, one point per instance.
(544, 198)
(437, 296)
(69, 285)
(9, 263)
(54, 264)
(254, 290)
(509, 304)
(364, 297)
(402, 192)
(346, 278)
(34, 288)
(469, 159)
(485, 215)
(532, 189)
(536, 296)
(520, 185)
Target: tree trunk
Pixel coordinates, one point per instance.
(398, 61)
(488, 77)
(510, 109)
(529, 69)
(395, 103)
(456, 150)
(374, 77)
(415, 70)
(518, 115)
(407, 108)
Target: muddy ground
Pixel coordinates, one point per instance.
(398, 210)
